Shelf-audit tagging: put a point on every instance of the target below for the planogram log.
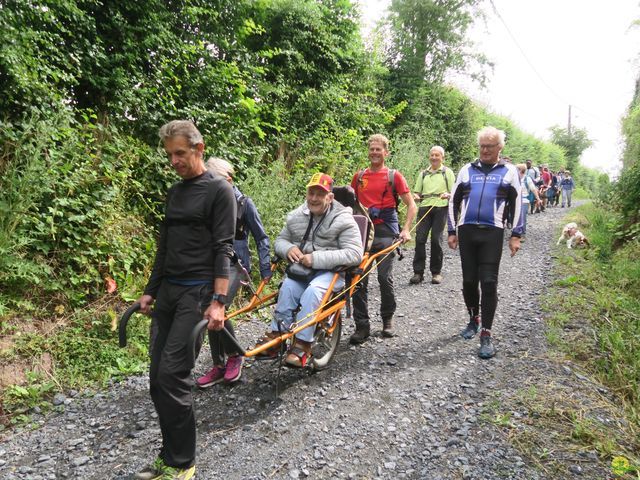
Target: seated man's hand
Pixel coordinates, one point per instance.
(294, 255)
(307, 260)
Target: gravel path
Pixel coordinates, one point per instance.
(407, 407)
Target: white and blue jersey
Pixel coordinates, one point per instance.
(486, 197)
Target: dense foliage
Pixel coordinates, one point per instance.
(631, 130)
(625, 196)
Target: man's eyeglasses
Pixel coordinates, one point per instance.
(488, 146)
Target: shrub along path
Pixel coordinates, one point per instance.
(420, 405)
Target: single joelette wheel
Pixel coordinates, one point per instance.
(326, 341)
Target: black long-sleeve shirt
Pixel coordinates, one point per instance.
(196, 236)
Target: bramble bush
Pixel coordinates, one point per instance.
(75, 197)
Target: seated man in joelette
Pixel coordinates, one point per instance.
(319, 237)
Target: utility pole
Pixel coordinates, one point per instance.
(569, 122)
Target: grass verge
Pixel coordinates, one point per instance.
(77, 352)
(590, 411)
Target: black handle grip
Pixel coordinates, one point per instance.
(200, 326)
(124, 320)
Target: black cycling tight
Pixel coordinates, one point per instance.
(480, 252)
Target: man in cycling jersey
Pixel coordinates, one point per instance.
(486, 198)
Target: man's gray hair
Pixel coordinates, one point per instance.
(219, 166)
(181, 128)
(437, 148)
(492, 132)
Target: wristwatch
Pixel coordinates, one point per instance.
(218, 297)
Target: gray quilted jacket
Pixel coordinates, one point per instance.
(336, 242)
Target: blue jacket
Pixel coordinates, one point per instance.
(567, 184)
(251, 219)
(493, 199)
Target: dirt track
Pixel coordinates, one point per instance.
(415, 406)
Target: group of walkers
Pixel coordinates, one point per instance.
(202, 258)
(551, 186)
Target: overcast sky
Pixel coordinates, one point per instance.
(582, 53)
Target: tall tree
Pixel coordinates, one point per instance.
(573, 142)
(631, 130)
(428, 39)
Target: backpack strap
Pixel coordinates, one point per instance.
(446, 180)
(423, 174)
(391, 181)
(241, 203)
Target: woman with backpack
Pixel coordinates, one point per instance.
(431, 192)
(227, 364)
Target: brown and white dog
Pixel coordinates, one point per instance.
(573, 236)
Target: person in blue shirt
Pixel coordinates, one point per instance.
(567, 187)
(486, 199)
(248, 220)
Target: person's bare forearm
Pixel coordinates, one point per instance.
(221, 286)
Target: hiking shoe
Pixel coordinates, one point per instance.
(159, 471)
(471, 329)
(387, 328)
(436, 279)
(416, 279)
(487, 349)
(213, 376)
(360, 335)
(234, 369)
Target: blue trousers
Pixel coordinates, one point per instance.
(308, 296)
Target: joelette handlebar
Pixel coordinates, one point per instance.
(197, 330)
(124, 320)
(200, 326)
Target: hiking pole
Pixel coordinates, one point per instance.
(124, 320)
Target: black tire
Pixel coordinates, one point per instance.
(325, 345)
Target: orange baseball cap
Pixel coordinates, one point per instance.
(321, 180)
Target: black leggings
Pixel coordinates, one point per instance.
(480, 252)
(220, 344)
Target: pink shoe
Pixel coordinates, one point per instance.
(215, 375)
(234, 369)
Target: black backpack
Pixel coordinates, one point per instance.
(241, 227)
